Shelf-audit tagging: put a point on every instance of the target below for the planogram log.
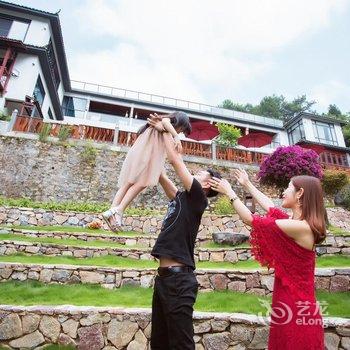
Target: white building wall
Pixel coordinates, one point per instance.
(339, 135)
(309, 132)
(28, 68)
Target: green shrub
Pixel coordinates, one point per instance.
(4, 115)
(223, 206)
(342, 198)
(65, 132)
(334, 180)
(228, 135)
(44, 132)
(89, 153)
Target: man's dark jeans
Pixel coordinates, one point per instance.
(172, 310)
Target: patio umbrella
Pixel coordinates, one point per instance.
(203, 131)
(255, 139)
(317, 148)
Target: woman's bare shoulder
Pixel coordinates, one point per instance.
(299, 230)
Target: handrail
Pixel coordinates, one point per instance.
(179, 103)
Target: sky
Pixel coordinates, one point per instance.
(208, 51)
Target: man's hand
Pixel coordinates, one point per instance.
(156, 122)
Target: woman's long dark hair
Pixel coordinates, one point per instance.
(179, 120)
(312, 205)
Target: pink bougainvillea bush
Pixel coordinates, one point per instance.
(288, 161)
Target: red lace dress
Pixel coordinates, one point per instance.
(296, 321)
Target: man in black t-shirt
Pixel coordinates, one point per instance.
(176, 286)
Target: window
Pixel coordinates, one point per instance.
(324, 132)
(39, 92)
(5, 25)
(49, 113)
(74, 106)
(296, 132)
(13, 27)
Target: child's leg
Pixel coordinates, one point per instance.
(131, 194)
(120, 194)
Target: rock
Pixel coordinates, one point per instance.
(219, 281)
(20, 276)
(139, 342)
(91, 277)
(252, 281)
(121, 333)
(231, 256)
(331, 341)
(60, 275)
(219, 325)
(202, 327)
(90, 338)
(241, 333)
(237, 286)
(10, 326)
(267, 281)
(50, 327)
(33, 275)
(70, 328)
(147, 281)
(32, 249)
(340, 197)
(203, 281)
(30, 323)
(65, 340)
(95, 318)
(73, 221)
(45, 275)
(260, 338)
(231, 238)
(345, 342)
(217, 341)
(217, 256)
(29, 341)
(60, 219)
(339, 283)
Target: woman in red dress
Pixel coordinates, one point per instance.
(287, 245)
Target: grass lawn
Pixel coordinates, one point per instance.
(68, 241)
(35, 293)
(337, 231)
(116, 261)
(71, 229)
(214, 245)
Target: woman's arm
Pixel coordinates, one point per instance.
(223, 186)
(242, 177)
(169, 128)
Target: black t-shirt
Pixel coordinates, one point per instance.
(180, 226)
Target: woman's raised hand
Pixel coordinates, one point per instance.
(220, 185)
(241, 176)
(156, 122)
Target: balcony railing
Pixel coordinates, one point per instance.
(329, 160)
(126, 138)
(173, 102)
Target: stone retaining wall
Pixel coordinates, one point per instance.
(145, 224)
(234, 254)
(259, 282)
(143, 240)
(130, 329)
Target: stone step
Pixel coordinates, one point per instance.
(108, 328)
(146, 224)
(232, 254)
(335, 241)
(125, 239)
(253, 281)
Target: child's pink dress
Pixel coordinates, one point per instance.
(145, 160)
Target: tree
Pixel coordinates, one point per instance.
(273, 106)
(277, 169)
(228, 135)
